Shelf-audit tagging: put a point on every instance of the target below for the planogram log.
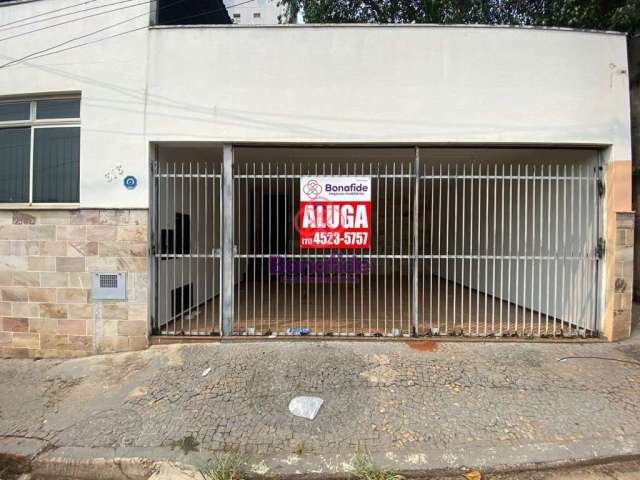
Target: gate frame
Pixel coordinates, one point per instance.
(227, 250)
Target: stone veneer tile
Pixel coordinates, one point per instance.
(135, 233)
(27, 340)
(70, 264)
(114, 217)
(80, 311)
(73, 295)
(82, 249)
(80, 279)
(122, 249)
(53, 249)
(130, 329)
(42, 295)
(76, 233)
(14, 294)
(54, 310)
(84, 217)
(115, 311)
(13, 232)
(26, 279)
(72, 327)
(5, 308)
(41, 232)
(25, 310)
(42, 264)
(13, 324)
(54, 279)
(13, 263)
(101, 233)
(43, 325)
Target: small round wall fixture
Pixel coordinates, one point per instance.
(130, 182)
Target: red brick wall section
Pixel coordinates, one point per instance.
(46, 260)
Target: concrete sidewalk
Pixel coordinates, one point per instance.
(442, 406)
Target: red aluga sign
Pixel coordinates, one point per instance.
(335, 212)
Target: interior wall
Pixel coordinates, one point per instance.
(200, 198)
(541, 218)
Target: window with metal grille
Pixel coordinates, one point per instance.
(40, 150)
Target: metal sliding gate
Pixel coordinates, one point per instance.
(456, 248)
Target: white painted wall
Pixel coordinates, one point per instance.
(413, 83)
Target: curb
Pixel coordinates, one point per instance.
(139, 468)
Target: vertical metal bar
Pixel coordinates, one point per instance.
(494, 296)
(416, 193)
(385, 245)
(254, 251)
(167, 253)
(369, 297)
(277, 252)
(439, 245)
(502, 251)
(526, 238)
(227, 240)
(286, 250)
(463, 244)
(540, 250)
(510, 252)
(270, 252)
(555, 255)
(189, 257)
(549, 256)
(393, 249)
(572, 254)
(471, 222)
(208, 258)
(517, 302)
(433, 183)
(378, 250)
(401, 221)
(332, 276)
(447, 253)
(479, 251)
(455, 241)
(486, 251)
(315, 280)
(581, 250)
(220, 242)
(237, 300)
(564, 249)
(181, 252)
(533, 249)
(198, 259)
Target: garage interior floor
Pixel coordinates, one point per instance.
(270, 308)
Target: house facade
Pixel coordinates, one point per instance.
(154, 179)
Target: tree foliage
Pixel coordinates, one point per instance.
(622, 15)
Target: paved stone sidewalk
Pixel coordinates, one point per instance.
(464, 404)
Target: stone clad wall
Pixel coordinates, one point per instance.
(46, 260)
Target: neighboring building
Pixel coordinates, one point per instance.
(154, 180)
(258, 12)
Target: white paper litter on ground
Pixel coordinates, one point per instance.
(305, 407)
(206, 372)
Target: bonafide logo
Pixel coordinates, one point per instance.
(336, 269)
(312, 189)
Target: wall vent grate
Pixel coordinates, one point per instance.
(109, 286)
